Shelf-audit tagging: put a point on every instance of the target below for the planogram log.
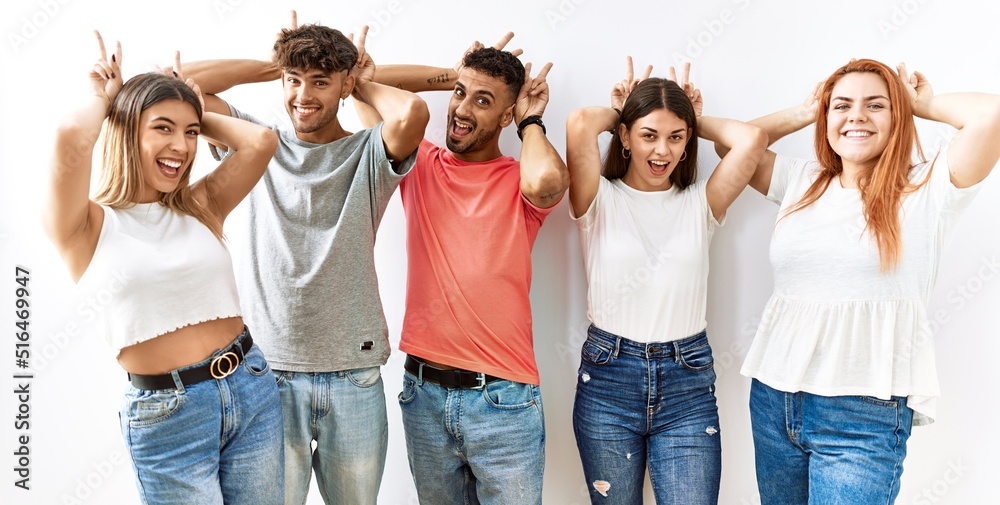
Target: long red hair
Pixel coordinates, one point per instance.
(883, 186)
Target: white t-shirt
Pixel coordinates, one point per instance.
(836, 324)
(646, 256)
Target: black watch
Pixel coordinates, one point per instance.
(530, 120)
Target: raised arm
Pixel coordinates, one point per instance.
(69, 218)
(544, 177)
(418, 78)
(975, 149)
(253, 145)
(746, 144)
(216, 76)
(403, 113)
(583, 156)
(777, 125)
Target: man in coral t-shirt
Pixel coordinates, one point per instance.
(471, 406)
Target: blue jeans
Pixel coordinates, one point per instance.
(474, 446)
(214, 442)
(812, 449)
(640, 405)
(343, 413)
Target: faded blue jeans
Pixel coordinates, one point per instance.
(343, 413)
(836, 450)
(640, 405)
(474, 446)
(214, 442)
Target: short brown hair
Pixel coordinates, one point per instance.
(314, 46)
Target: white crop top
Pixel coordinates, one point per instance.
(154, 271)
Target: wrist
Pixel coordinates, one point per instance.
(528, 121)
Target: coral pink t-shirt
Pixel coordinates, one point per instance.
(469, 233)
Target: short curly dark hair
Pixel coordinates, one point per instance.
(496, 63)
(314, 46)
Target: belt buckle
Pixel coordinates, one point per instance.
(216, 366)
(480, 381)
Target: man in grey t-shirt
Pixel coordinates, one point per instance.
(307, 279)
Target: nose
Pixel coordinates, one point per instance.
(303, 93)
(462, 108)
(178, 142)
(856, 114)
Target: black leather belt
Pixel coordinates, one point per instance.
(456, 378)
(219, 368)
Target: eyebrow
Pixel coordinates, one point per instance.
(171, 121)
(313, 75)
(867, 98)
(478, 92)
(679, 130)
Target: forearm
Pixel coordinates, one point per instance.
(544, 176)
(416, 78)
(216, 76)
(958, 109)
(778, 125)
(235, 133)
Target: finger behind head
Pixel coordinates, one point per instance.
(361, 37)
(177, 64)
(545, 71)
(628, 69)
(503, 41)
(100, 44)
(648, 72)
(295, 20)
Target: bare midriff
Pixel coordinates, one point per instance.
(181, 347)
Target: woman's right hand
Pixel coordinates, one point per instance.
(622, 89)
(106, 75)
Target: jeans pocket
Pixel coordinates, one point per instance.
(698, 359)
(409, 390)
(255, 362)
(146, 408)
(878, 402)
(509, 395)
(595, 354)
(364, 377)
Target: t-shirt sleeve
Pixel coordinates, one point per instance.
(386, 176)
(220, 154)
(787, 173)
(948, 197)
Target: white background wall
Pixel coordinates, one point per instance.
(751, 57)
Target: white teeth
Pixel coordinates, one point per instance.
(660, 163)
(306, 110)
(170, 163)
(855, 133)
(460, 124)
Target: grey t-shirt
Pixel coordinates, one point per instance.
(307, 278)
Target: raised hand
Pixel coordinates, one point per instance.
(534, 94)
(178, 72)
(106, 76)
(693, 93)
(621, 90)
(476, 45)
(364, 68)
(917, 85)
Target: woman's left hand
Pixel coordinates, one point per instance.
(693, 93)
(917, 86)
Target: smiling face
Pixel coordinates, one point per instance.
(480, 107)
(657, 142)
(168, 141)
(312, 99)
(859, 120)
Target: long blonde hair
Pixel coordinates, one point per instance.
(883, 187)
(121, 176)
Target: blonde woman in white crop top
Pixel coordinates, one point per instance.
(839, 375)
(201, 417)
(646, 383)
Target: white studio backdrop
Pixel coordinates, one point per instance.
(750, 58)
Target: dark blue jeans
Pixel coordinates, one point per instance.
(640, 405)
(827, 450)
